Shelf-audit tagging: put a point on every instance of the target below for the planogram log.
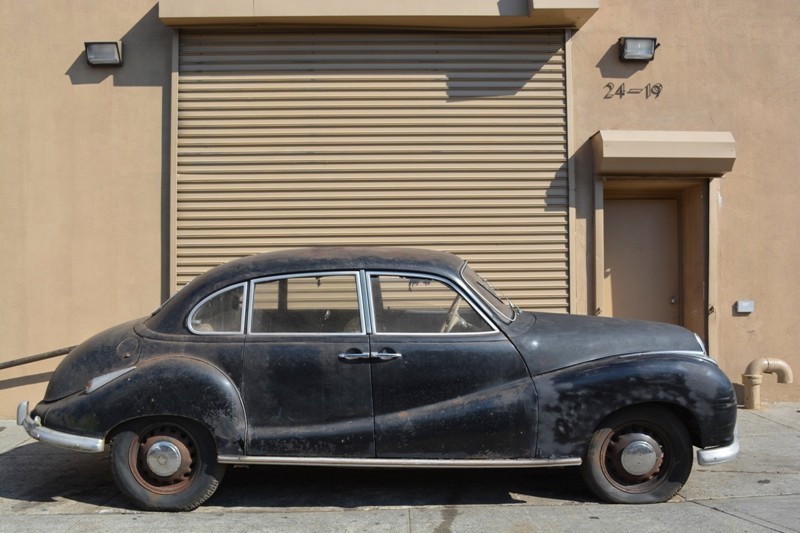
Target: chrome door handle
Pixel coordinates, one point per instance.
(358, 356)
(386, 356)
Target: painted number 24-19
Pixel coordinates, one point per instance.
(649, 90)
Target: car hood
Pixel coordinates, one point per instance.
(555, 341)
(113, 349)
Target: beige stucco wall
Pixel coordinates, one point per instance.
(724, 66)
(83, 168)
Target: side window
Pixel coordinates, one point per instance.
(307, 304)
(407, 304)
(221, 313)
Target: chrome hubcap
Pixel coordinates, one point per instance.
(163, 458)
(641, 455)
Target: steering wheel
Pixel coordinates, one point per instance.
(452, 316)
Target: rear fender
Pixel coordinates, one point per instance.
(174, 386)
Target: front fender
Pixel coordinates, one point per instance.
(179, 386)
(575, 400)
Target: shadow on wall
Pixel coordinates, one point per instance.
(147, 55)
(147, 62)
(508, 80)
(460, 88)
(22, 381)
(611, 66)
(512, 8)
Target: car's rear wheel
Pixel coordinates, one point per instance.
(638, 455)
(165, 464)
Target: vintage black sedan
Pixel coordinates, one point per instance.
(386, 357)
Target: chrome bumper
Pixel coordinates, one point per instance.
(35, 429)
(723, 454)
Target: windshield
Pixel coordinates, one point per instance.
(502, 305)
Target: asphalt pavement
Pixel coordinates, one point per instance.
(49, 489)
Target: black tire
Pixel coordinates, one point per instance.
(640, 429)
(197, 473)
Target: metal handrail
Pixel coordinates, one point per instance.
(35, 358)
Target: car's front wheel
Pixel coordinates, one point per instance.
(165, 464)
(638, 455)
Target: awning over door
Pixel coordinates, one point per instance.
(450, 141)
(663, 153)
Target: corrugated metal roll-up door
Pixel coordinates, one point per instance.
(451, 141)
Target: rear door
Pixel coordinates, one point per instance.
(446, 383)
(306, 383)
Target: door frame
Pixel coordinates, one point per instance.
(698, 253)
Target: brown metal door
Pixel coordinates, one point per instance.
(642, 275)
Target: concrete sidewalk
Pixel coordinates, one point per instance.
(47, 489)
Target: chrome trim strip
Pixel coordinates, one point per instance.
(437, 334)
(701, 343)
(35, 429)
(699, 355)
(370, 462)
(362, 313)
(721, 454)
(364, 301)
(99, 381)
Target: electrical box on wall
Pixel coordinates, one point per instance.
(745, 307)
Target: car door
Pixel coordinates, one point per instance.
(446, 382)
(306, 381)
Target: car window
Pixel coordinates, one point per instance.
(220, 313)
(502, 305)
(307, 304)
(411, 304)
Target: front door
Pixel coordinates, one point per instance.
(446, 384)
(306, 383)
(642, 261)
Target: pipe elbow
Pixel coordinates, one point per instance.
(782, 369)
(770, 366)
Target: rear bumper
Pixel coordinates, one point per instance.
(722, 454)
(35, 429)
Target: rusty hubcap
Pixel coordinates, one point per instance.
(164, 460)
(633, 457)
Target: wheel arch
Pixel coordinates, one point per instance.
(147, 419)
(683, 414)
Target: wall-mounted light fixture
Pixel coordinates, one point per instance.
(637, 48)
(104, 53)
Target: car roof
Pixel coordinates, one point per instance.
(172, 314)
